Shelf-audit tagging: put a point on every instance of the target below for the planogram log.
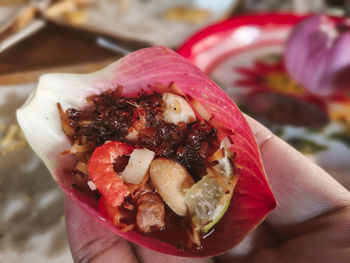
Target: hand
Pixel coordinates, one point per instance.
(311, 223)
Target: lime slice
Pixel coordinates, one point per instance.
(206, 200)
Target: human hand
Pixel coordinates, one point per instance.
(311, 223)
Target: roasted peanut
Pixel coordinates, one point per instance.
(171, 180)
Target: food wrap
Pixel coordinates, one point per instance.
(148, 69)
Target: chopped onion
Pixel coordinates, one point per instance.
(138, 165)
(91, 185)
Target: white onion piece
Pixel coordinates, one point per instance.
(138, 165)
(177, 109)
(91, 185)
(318, 56)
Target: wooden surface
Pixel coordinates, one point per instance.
(54, 49)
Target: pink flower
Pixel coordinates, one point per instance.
(317, 54)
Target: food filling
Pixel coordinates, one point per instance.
(152, 163)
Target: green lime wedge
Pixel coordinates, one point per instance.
(206, 200)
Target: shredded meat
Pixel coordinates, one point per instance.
(150, 210)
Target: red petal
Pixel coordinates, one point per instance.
(252, 199)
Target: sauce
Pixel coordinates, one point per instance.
(177, 231)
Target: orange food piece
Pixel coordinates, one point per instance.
(101, 171)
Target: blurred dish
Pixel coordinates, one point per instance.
(244, 55)
(153, 21)
(32, 222)
(17, 21)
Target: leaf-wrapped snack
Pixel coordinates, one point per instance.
(156, 69)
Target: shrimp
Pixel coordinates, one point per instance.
(107, 181)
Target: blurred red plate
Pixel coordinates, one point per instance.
(244, 55)
(216, 43)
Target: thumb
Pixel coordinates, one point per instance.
(91, 242)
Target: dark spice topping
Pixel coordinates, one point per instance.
(120, 163)
(110, 117)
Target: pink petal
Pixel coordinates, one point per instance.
(252, 199)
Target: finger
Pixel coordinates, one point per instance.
(322, 239)
(262, 237)
(302, 189)
(91, 242)
(149, 256)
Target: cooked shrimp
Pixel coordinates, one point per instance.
(107, 181)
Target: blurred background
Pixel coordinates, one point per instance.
(243, 55)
